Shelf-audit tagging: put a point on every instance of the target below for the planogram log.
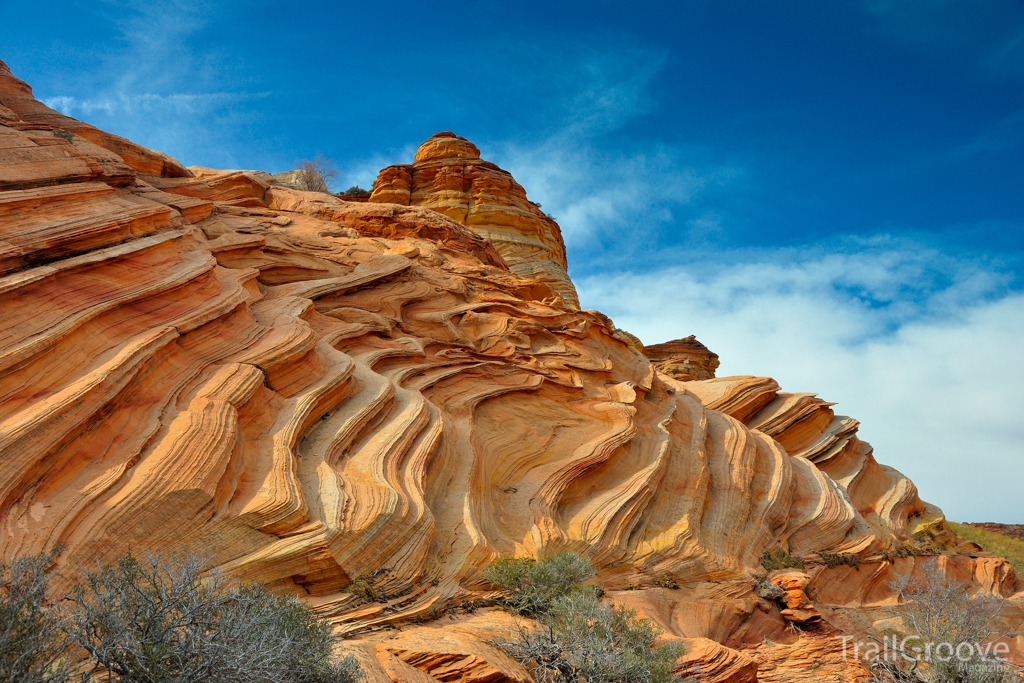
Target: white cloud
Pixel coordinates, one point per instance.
(919, 344)
(591, 191)
(136, 103)
(922, 347)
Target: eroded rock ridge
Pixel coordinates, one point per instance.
(313, 391)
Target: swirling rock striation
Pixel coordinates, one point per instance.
(313, 391)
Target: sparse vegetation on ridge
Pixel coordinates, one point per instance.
(831, 560)
(578, 638)
(906, 550)
(354, 191)
(317, 174)
(992, 542)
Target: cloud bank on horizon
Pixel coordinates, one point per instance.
(830, 195)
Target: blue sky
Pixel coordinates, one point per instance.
(828, 193)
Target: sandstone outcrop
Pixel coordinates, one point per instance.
(312, 392)
(683, 359)
(448, 176)
(706, 660)
(798, 606)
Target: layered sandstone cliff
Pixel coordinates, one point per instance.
(449, 177)
(313, 391)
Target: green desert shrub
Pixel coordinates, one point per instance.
(531, 587)
(581, 639)
(33, 646)
(780, 558)
(157, 620)
(354, 191)
(578, 638)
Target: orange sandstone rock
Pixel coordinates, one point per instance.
(811, 657)
(799, 609)
(710, 662)
(683, 359)
(449, 177)
(311, 391)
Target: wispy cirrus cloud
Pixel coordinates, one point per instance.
(605, 197)
(162, 86)
(1005, 136)
(136, 103)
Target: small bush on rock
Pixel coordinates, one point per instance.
(153, 620)
(32, 644)
(780, 559)
(831, 560)
(767, 590)
(531, 587)
(667, 581)
(582, 640)
(366, 587)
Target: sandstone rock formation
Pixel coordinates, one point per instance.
(449, 177)
(313, 391)
(683, 359)
(798, 607)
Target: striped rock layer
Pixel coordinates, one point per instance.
(319, 394)
(448, 176)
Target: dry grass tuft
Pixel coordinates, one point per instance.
(995, 543)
